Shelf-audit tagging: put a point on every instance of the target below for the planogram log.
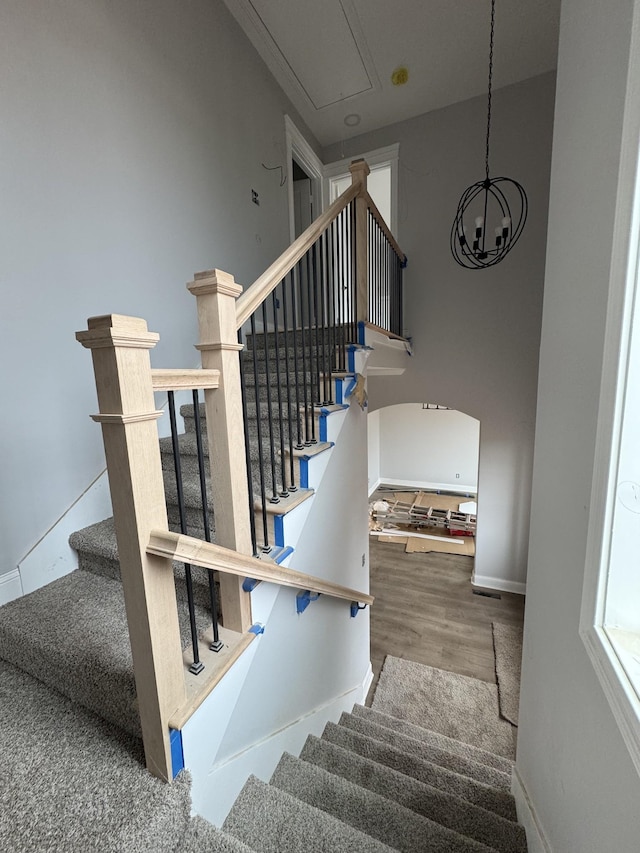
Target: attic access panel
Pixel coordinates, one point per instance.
(324, 57)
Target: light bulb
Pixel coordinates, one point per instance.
(506, 222)
(479, 221)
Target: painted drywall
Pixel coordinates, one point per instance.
(373, 450)
(475, 333)
(428, 448)
(132, 135)
(571, 756)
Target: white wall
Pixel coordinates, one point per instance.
(373, 450)
(475, 333)
(571, 756)
(427, 448)
(132, 134)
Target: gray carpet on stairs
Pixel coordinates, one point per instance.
(72, 635)
(450, 811)
(454, 705)
(367, 811)
(71, 782)
(499, 802)
(490, 759)
(462, 764)
(202, 837)
(272, 821)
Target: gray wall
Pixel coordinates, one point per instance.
(475, 333)
(132, 134)
(571, 756)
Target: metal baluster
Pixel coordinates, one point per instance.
(354, 278)
(312, 367)
(247, 449)
(276, 326)
(217, 644)
(197, 666)
(274, 499)
(322, 296)
(263, 492)
(333, 341)
(292, 467)
(341, 288)
(305, 354)
(294, 312)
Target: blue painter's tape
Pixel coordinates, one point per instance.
(304, 472)
(351, 359)
(339, 399)
(403, 265)
(249, 584)
(278, 529)
(304, 599)
(350, 387)
(177, 754)
(323, 425)
(257, 629)
(361, 332)
(283, 554)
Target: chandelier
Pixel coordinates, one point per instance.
(488, 204)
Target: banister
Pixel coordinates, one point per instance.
(184, 380)
(255, 295)
(384, 227)
(197, 552)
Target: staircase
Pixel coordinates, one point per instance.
(93, 682)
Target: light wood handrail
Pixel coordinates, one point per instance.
(197, 552)
(255, 295)
(184, 380)
(384, 227)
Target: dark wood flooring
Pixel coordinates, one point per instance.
(425, 611)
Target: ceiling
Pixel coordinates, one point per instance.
(335, 58)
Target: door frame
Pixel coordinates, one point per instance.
(298, 149)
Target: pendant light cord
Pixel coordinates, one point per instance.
(493, 14)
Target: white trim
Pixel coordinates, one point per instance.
(457, 488)
(390, 155)
(10, 586)
(297, 148)
(623, 285)
(367, 681)
(489, 582)
(537, 841)
(377, 483)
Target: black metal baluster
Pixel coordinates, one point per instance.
(304, 293)
(354, 275)
(274, 499)
(340, 287)
(216, 645)
(197, 666)
(292, 467)
(322, 296)
(276, 332)
(294, 312)
(332, 304)
(313, 351)
(263, 491)
(247, 450)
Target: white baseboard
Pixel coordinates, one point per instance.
(374, 487)
(536, 839)
(52, 557)
(461, 488)
(500, 584)
(366, 684)
(10, 586)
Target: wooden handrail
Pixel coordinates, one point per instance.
(184, 380)
(255, 295)
(384, 227)
(197, 552)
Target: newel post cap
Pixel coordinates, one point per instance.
(359, 171)
(214, 281)
(112, 330)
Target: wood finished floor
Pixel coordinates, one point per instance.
(425, 611)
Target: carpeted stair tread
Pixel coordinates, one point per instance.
(367, 811)
(457, 814)
(272, 821)
(97, 551)
(203, 837)
(474, 792)
(73, 636)
(455, 705)
(72, 782)
(462, 764)
(482, 756)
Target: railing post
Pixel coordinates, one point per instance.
(216, 293)
(359, 171)
(120, 350)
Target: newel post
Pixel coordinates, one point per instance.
(216, 293)
(120, 350)
(359, 171)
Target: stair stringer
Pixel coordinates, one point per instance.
(305, 669)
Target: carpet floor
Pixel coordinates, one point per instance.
(507, 645)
